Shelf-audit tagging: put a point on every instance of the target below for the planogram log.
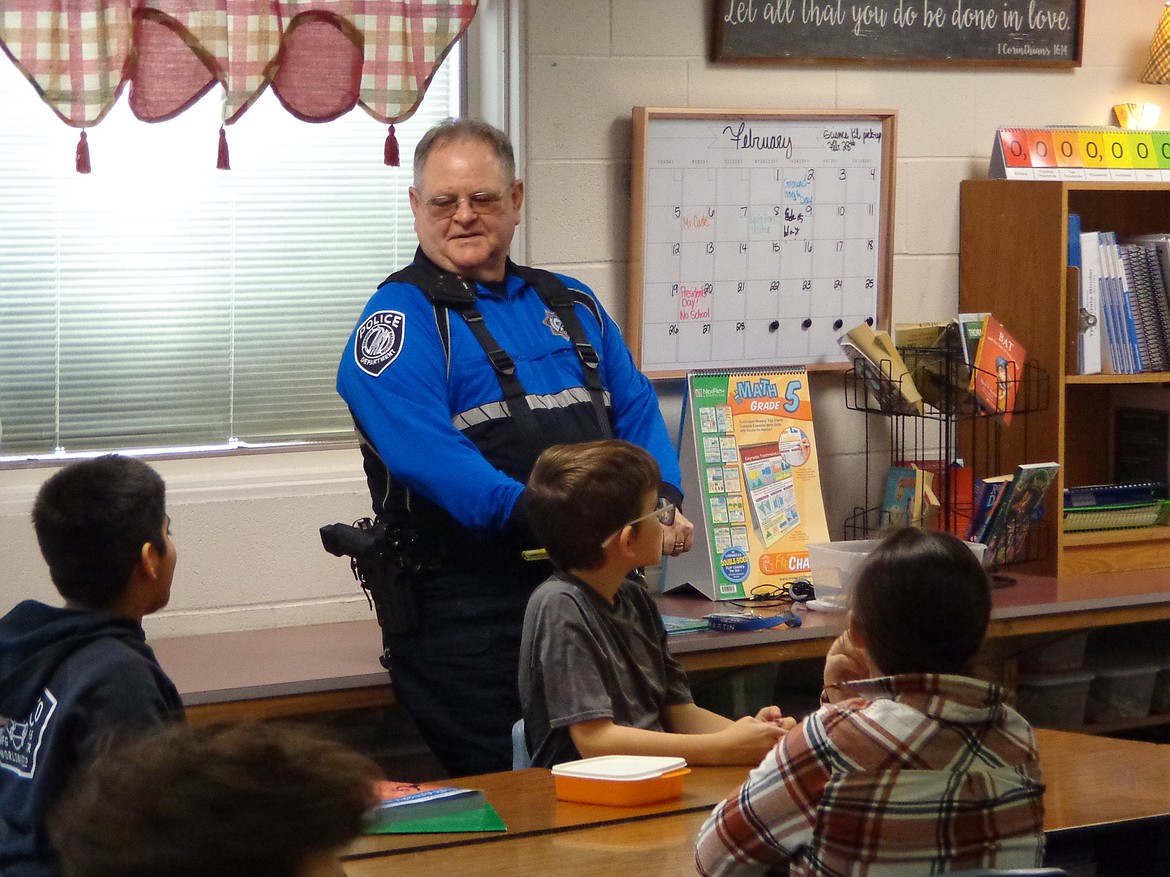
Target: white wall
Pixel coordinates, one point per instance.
(246, 527)
(246, 532)
(590, 61)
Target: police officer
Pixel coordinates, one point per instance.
(461, 369)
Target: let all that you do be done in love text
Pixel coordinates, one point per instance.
(1042, 33)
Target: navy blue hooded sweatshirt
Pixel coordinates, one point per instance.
(68, 678)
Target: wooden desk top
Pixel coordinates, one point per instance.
(311, 668)
(1090, 781)
(526, 801)
(266, 662)
(661, 846)
(1041, 604)
(1034, 604)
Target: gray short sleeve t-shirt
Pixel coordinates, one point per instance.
(582, 659)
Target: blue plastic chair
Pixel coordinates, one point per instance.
(520, 757)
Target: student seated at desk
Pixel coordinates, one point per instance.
(596, 675)
(911, 767)
(71, 675)
(236, 800)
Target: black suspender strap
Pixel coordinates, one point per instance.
(561, 301)
(515, 396)
(446, 290)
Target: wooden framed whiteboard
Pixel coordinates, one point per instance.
(757, 237)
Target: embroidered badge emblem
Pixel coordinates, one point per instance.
(379, 340)
(555, 325)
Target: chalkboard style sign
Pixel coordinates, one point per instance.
(757, 237)
(1031, 33)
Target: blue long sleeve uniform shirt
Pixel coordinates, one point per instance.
(438, 424)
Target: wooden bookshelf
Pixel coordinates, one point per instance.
(1013, 256)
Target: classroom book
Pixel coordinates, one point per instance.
(874, 353)
(952, 490)
(482, 818)
(987, 494)
(909, 499)
(1018, 506)
(998, 369)
(971, 330)
(935, 358)
(400, 802)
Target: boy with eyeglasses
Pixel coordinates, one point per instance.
(596, 674)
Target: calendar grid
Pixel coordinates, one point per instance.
(762, 238)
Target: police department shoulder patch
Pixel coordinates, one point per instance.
(555, 325)
(379, 340)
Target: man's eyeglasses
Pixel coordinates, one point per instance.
(446, 206)
(664, 512)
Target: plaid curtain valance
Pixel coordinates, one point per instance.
(321, 57)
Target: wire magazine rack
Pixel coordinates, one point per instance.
(955, 435)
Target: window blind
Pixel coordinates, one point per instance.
(159, 303)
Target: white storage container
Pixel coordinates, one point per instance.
(620, 780)
(1056, 656)
(1134, 650)
(1054, 700)
(833, 568)
(1121, 693)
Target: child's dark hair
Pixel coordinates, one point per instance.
(578, 495)
(92, 519)
(233, 800)
(923, 602)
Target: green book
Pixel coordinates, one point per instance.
(483, 818)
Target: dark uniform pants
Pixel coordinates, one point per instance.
(457, 675)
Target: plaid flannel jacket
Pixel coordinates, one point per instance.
(912, 775)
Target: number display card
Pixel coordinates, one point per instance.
(749, 457)
(757, 237)
(1100, 155)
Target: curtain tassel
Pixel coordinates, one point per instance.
(81, 159)
(391, 150)
(222, 161)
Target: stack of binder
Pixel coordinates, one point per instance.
(1115, 506)
(1144, 260)
(1125, 304)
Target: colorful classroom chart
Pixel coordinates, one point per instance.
(1103, 155)
(760, 500)
(757, 237)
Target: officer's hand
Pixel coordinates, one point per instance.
(678, 537)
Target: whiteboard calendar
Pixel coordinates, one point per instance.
(758, 237)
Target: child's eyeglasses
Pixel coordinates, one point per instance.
(664, 512)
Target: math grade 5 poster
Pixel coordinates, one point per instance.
(749, 455)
